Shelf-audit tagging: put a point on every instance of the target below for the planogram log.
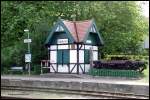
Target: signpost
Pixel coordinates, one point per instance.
(28, 55)
(27, 40)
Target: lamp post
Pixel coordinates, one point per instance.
(28, 55)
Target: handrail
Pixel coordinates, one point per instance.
(44, 63)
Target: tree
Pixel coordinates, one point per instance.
(120, 24)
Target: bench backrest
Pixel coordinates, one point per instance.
(16, 68)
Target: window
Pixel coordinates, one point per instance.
(63, 56)
(59, 28)
(93, 29)
(88, 41)
(87, 56)
(72, 46)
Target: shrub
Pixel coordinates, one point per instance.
(130, 57)
(36, 69)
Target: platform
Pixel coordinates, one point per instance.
(77, 82)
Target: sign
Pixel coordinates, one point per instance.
(62, 41)
(88, 41)
(27, 57)
(27, 40)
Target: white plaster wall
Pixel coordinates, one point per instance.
(80, 70)
(75, 69)
(53, 56)
(88, 46)
(75, 46)
(73, 56)
(63, 68)
(54, 66)
(87, 67)
(53, 47)
(81, 47)
(95, 47)
(63, 47)
(81, 56)
(95, 55)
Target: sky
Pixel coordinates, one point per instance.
(145, 11)
(145, 7)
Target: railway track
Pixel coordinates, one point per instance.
(77, 92)
(9, 97)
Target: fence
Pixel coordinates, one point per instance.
(114, 73)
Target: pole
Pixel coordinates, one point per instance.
(77, 58)
(91, 57)
(29, 53)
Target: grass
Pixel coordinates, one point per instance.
(145, 79)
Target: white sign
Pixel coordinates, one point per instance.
(27, 40)
(62, 41)
(88, 41)
(27, 57)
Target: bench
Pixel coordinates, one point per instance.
(16, 69)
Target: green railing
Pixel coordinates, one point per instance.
(114, 73)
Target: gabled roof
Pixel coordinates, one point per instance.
(78, 30)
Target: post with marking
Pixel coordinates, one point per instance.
(28, 55)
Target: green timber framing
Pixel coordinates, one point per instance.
(71, 41)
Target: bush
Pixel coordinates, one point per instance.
(130, 57)
(114, 73)
(36, 69)
(5, 70)
(45, 70)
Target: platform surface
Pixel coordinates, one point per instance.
(77, 78)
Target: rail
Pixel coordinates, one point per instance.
(103, 94)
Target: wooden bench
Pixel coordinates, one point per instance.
(16, 69)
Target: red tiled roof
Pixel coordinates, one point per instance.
(78, 29)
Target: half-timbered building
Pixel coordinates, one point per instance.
(69, 44)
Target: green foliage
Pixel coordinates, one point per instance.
(114, 73)
(4, 70)
(130, 57)
(121, 25)
(13, 55)
(36, 69)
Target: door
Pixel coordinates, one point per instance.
(63, 56)
(63, 59)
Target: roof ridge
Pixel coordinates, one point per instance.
(77, 21)
(76, 30)
(84, 21)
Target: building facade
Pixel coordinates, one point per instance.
(69, 44)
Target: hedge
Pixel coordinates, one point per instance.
(114, 73)
(131, 57)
